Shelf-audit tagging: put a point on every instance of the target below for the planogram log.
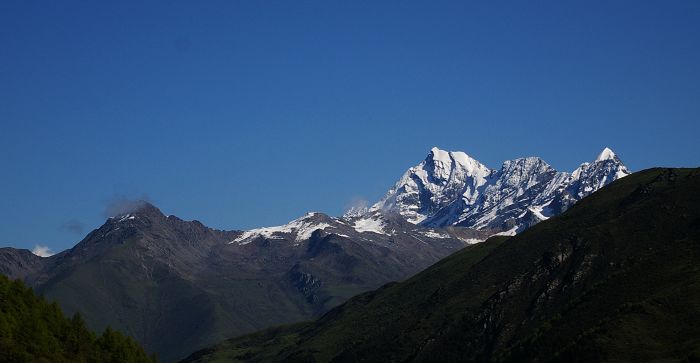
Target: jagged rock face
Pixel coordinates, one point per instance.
(451, 188)
(590, 177)
(433, 184)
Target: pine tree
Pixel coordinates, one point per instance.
(33, 330)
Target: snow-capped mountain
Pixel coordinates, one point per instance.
(454, 189)
(434, 184)
(377, 229)
(140, 270)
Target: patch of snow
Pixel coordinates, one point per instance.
(433, 234)
(541, 211)
(369, 225)
(471, 241)
(126, 217)
(538, 213)
(417, 218)
(441, 155)
(306, 230)
(301, 228)
(510, 232)
(621, 174)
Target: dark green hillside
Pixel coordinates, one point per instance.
(32, 330)
(615, 278)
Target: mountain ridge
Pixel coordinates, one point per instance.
(176, 286)
(614, 278)
(453, 188)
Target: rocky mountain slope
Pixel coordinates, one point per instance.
(452, 188)
(614, 278)
(176, 286)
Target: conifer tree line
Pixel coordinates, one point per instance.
(34, 330)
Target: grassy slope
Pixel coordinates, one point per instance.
(614, 278)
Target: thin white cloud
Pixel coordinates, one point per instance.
(356, 207)
(42, 251)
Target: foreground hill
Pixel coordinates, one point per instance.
(615, 278)
(32, 330)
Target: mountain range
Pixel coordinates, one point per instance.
(177, 286)
(614, 278)
(453, 189)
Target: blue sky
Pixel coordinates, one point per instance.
(250, 113)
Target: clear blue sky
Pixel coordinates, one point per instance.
(250, 113)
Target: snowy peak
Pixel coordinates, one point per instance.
(606, 154)
(440, 163)
(607, 164)
(590, 177)
(443, 164)
(452, 188)
(433, 184)
(299, 229)
(439, 155)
